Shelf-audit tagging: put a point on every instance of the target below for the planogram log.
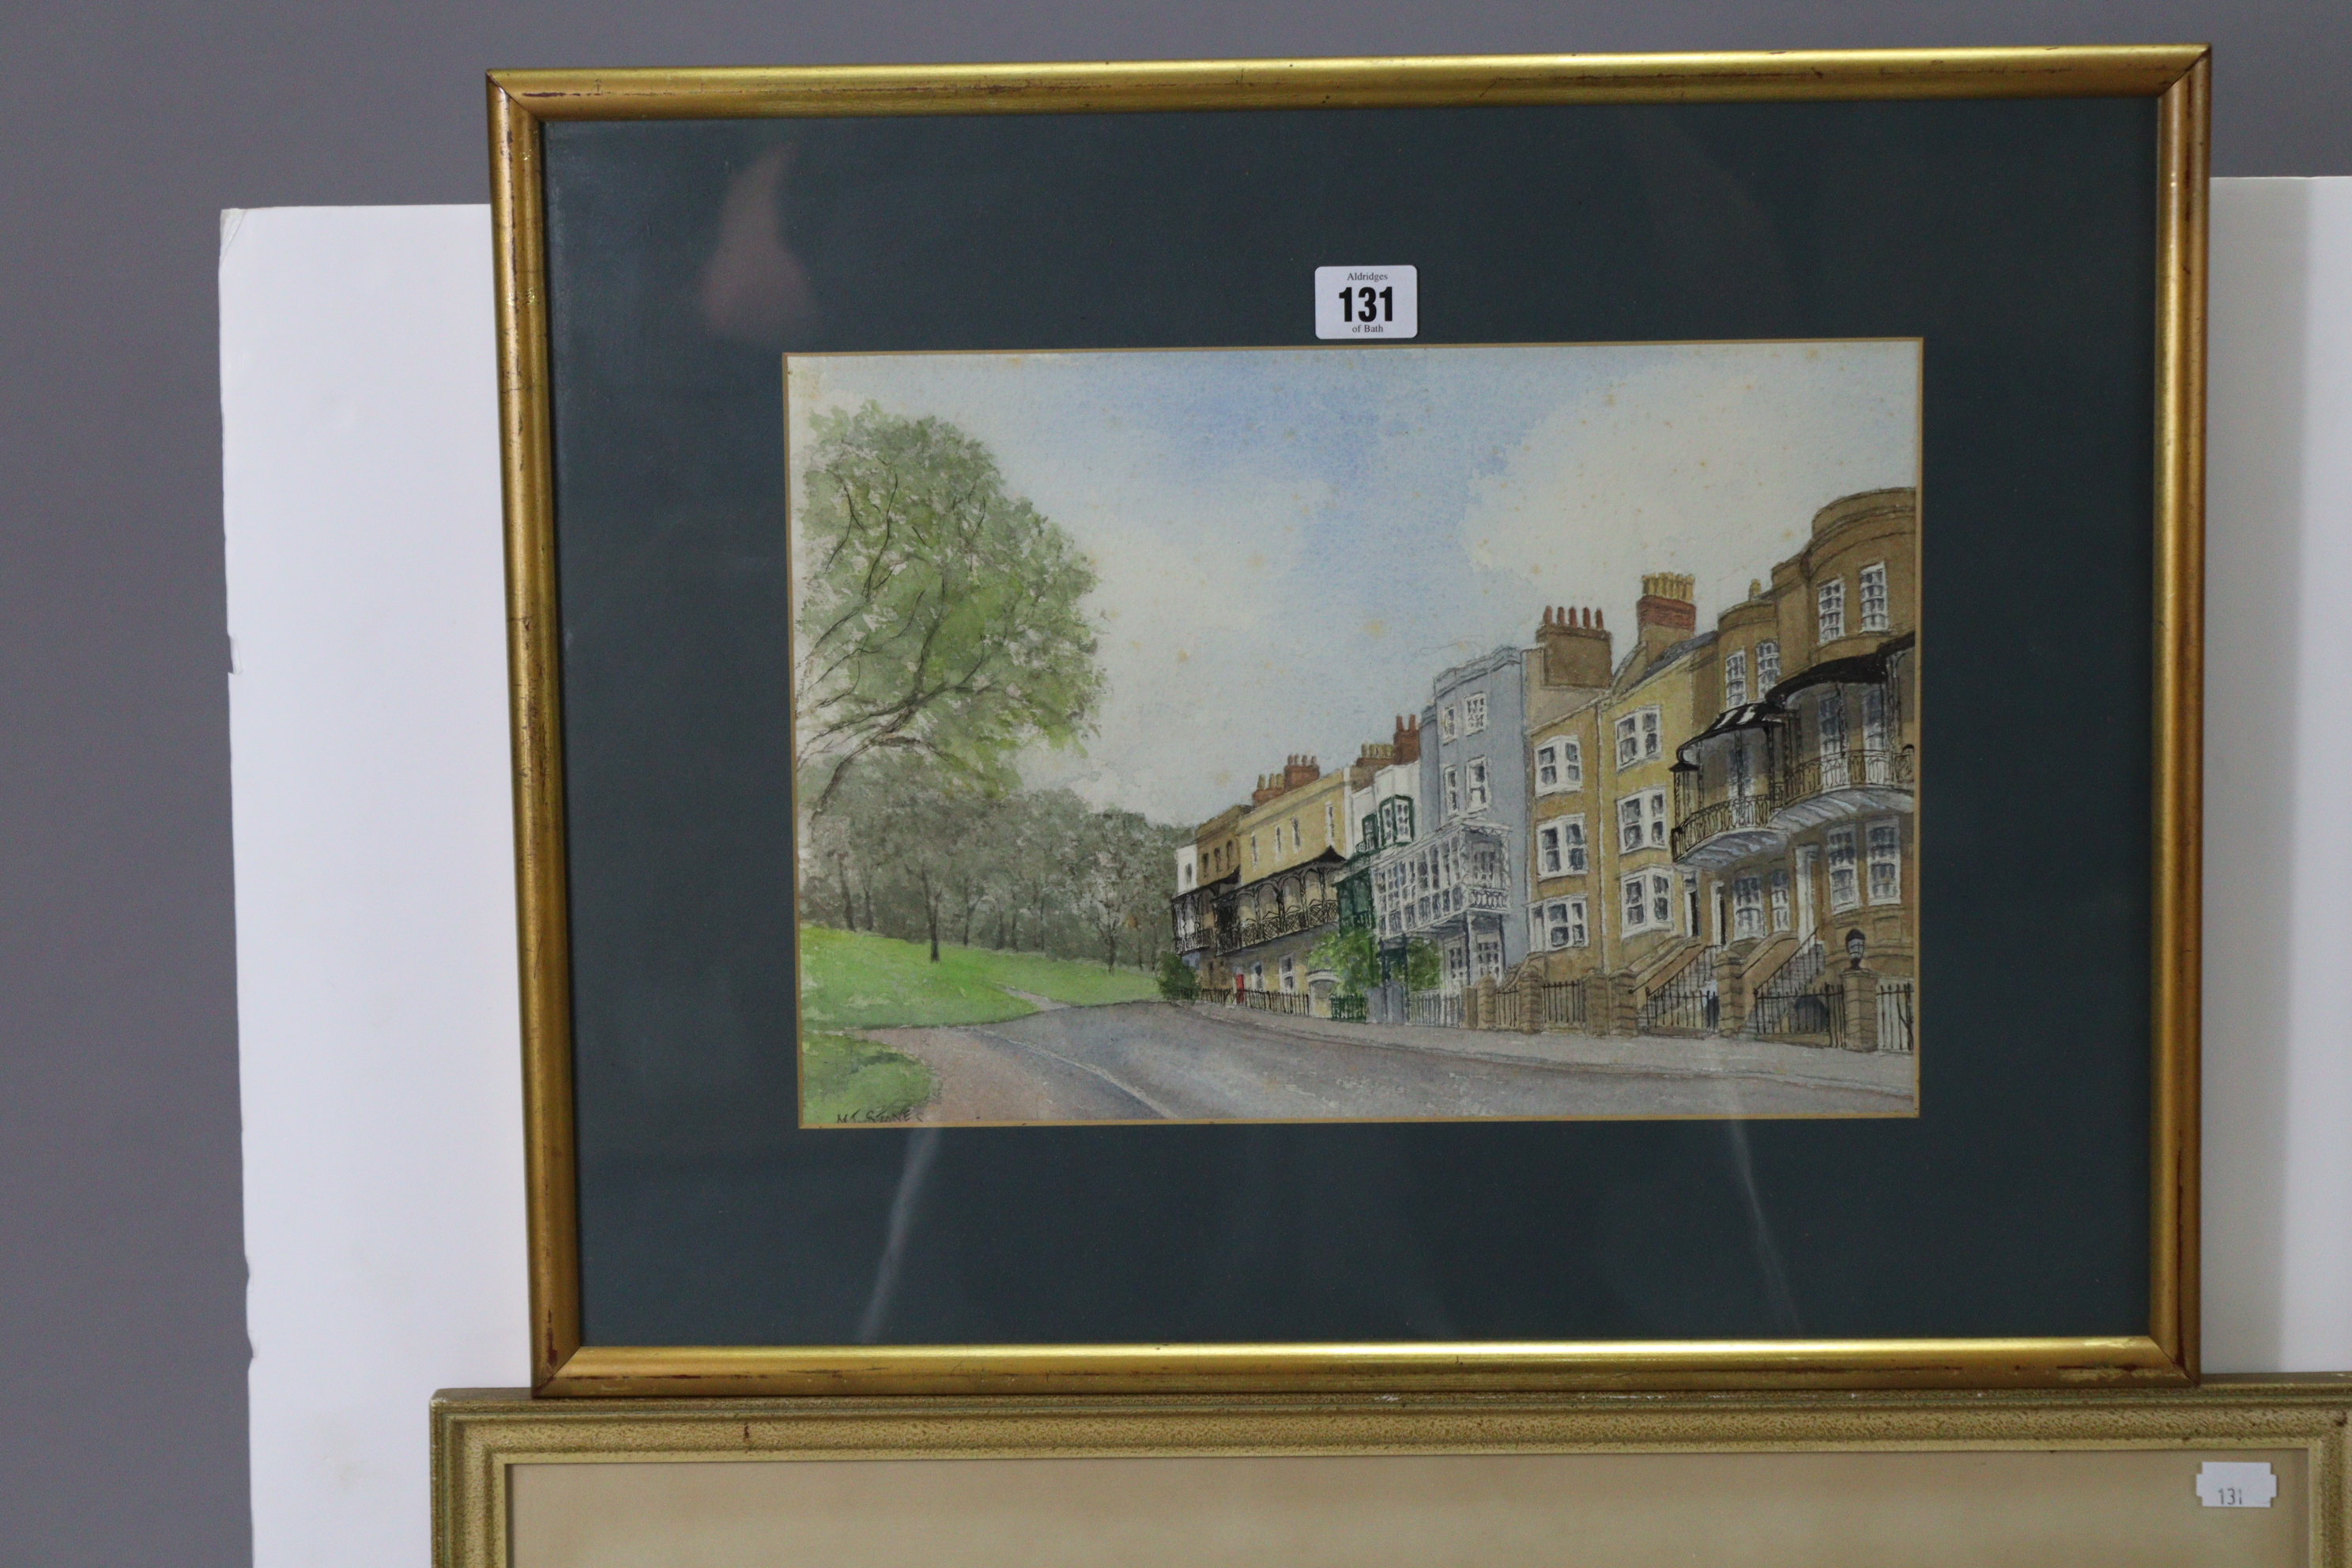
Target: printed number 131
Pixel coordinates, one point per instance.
(1376, 304)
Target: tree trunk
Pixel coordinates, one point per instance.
(932, 913)
(849, 909)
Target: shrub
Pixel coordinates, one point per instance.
(1177, 980)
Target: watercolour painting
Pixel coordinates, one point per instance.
(1374, 732)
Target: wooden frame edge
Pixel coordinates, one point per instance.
(2177, 76)
(1362, 83)
(2178, 748)
(478, 1435)
(715, 1371)
(517, 229)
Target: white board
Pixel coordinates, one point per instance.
(2278, 781)
(376, 980)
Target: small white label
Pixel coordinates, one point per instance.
(1367, 302)
(2220, 1484)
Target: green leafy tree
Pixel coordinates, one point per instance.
(938, 615)
(1150, 883)
(1352, 956)
(1122, 849)
(977, 870)
(908, 825)
(1053, 842)
(1421, 965)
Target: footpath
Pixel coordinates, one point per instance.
(1707, 1056)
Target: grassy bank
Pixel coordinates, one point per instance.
(856, 980)
(844, 1078)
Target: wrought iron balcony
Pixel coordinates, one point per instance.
(1192, 917)
(1819, 787)
(1249, 930)
(1725, 830)
(1804, 791)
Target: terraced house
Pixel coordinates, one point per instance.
(1258, 921)
(1387, 810)
(1795, 806)
(1568, 679)
(1711, 834)
(1610, 912)
(1208, 875)
(1457, 886)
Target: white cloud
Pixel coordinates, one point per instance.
(1706, 459)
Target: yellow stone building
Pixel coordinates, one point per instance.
(1723, 840)
(1611, 908)
(1795, 806)
(1286, 850)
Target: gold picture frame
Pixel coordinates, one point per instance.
(485, 1442)
(521, 102)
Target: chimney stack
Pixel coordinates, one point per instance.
(1407, 738)
(1575, 648)
(1297, 769)
(1664, 615)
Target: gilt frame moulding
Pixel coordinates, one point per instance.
(523, 103)
(483, 1440)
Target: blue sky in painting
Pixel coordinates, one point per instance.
(1292, 543)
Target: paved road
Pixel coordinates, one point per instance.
(1150, 1061)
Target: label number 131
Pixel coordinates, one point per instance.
(1367, 304)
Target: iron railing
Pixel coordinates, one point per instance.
(1435, 1009)
(1348, 1009)
(1191, 917)
(1733, 815)
(1799, 778)
(1292, 1003)
(1686, 1002)
(1251, 930)
(1853, 767)
(1898, 1015)
(1541, 1004)
(1791, 1004)
(1565, 1003)
(1808, 1016)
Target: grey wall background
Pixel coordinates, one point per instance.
(125, 129)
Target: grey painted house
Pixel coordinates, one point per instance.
(1462, 887)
